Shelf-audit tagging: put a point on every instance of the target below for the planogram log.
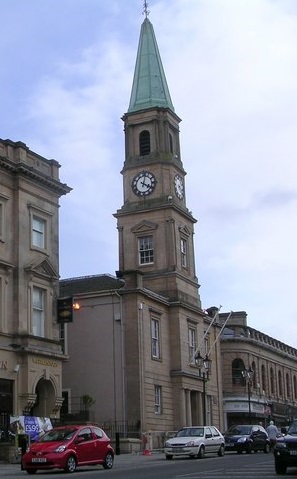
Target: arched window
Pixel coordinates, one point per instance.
(237, 368)
(288, 385)
(280, 383)
(271, 381)
(254, 382)
(263, 378)
(295, 387)
(144, 143)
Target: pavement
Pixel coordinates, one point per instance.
(7, 469)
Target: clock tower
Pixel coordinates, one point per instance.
(162, 319)
(155, 226)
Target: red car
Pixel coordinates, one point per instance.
(68, 447)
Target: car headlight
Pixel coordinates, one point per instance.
(242, 439)
(280, 445)
(167, 444)
(190, 444)
(60, 449)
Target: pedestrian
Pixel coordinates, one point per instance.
(272, 432)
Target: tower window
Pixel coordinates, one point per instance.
(146, 250)
(155, 330)
(144, 143)
(183, 250)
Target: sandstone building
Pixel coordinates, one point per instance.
(140, 335)
(30, 350)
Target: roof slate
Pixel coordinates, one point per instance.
(89, 284)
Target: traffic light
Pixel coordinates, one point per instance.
(65, 310)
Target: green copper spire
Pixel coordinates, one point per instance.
(149, 88)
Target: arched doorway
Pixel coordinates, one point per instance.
(46, 398)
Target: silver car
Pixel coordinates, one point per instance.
(195, 441)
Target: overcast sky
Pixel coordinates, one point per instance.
(231, 66)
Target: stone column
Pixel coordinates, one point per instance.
(183, 417)
(200, 408)
(188, 408)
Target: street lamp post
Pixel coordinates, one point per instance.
(204, 365)
(248, 375)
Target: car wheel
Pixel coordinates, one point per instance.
(239, 451)
(70, 464)
(168, 457)
(201, 453)
(31, 471)
(108, 463)
(221, 451)
(280, 468)
(249, 449)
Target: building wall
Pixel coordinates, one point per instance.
(30, 362)
(95, 349)
(125, 367)
(273, 386)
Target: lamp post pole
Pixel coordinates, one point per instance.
(249, 400)
(204, 365)
(204, 397)
(248, 375)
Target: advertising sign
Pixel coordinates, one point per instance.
(30, 425)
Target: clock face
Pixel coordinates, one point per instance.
(144, 183)
(179, 186)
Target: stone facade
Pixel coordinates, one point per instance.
(31, 354)
(112, 348)
(271, 390)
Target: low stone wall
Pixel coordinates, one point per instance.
(129, 445)
(10, 454)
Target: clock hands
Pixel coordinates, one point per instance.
(144, 183)
(147, 185)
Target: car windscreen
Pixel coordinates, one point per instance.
(293, 429)
(239, 430)
(191, 432)
(58, 435)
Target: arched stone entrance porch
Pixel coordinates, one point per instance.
(45, 399)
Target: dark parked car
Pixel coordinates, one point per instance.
(67, 447)
(248, 438)
(285, 450)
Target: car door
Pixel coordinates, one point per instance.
(85, 446)
(217, 440)
(209, 440)
(101, 443)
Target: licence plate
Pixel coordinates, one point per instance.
(293, 453)
(39, 459)
(178, 450)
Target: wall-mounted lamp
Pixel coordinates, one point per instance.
(16, 368)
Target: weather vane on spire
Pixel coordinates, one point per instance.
(146, 11)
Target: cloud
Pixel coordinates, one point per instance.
(231, 67)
